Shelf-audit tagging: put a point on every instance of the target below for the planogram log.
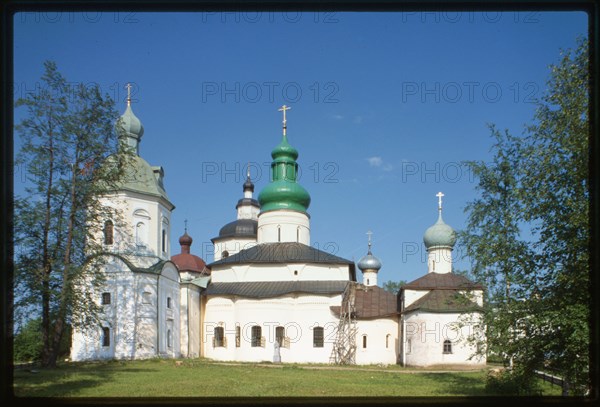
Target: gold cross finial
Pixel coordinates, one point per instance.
(439, 195)
(128, 86)
(283, 109)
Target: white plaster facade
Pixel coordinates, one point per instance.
(283, 226)
(377, 341)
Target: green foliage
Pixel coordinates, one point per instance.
(65, 138)
(393, 286)
(528, 232)
(510, 382)
(27, 344)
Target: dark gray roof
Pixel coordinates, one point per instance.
(239, 228)
(432, 281)
(443, 301)
(269, 289)
(247, 201)
(289, 252)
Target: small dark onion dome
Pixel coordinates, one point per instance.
(187, 262)
(369, 262)
(240, 228)
(248, 185)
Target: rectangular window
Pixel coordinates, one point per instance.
(447, 346)
(105, 298)
(256, 335)
(105, 336)
(237, 336)
(364, 341)
(408, 346)
(318, 337)
(279, 335)
(168, 302)
(219, 335)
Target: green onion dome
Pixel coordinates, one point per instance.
(284, 192)
(439, 235)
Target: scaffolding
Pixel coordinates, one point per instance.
(344, 348)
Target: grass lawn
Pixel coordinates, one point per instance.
(202, 378)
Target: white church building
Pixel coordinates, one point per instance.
(268, 295)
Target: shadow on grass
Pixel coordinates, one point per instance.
(451, 384)
(67, 380)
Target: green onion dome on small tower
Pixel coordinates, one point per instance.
(439, 234)
(129, 127)
(284, 192)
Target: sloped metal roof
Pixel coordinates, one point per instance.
(372, 302)
(443, 301)
(270, 289)
(288, 252)
(432, 281)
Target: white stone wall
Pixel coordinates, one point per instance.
(369, 278)
(232, 246)
(439, 260)
(190, 320)
(381, 341)
(144, 219)
(297, 313)
(411, 296)
(425, 333)
(283, 226)
(280, 272)
(137, 316)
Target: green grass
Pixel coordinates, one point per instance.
(202, 378)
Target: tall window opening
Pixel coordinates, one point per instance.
(219, 337)
(318, 337)
(105, 336)
(387, 341)
(256, 335)
(238, 336)
(169, 339)
(108, 232)
(364, 341)
(105, 298)
(164, 240)
(279, 335)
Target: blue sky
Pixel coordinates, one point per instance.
(385, 106)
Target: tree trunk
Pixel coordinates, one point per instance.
(47, 267)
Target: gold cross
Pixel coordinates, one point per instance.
(283, 109)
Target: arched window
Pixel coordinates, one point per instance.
(387, 341)
(105, 336)
(169, 339)
(318, 337)
(164, 240)
(140, 234)
(108, 232)
(447, 346)
(279, 335)
(298, 234)
(367, 281)
(256, 336)
(364, 341)
(408, 346)
(278, 233)
(219, 341)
